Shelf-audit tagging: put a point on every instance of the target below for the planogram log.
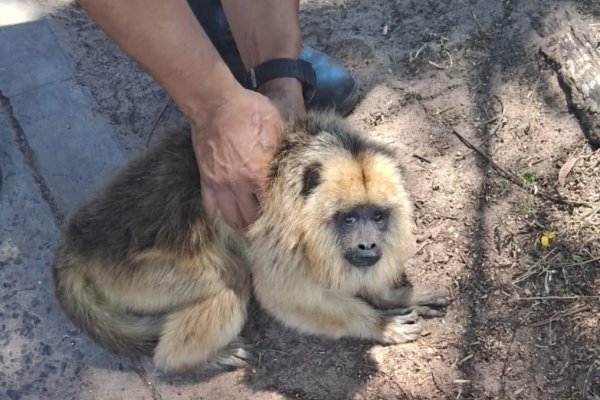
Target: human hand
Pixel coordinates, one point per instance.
(286, 94)
(234, 145)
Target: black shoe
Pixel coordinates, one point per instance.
(336, 88)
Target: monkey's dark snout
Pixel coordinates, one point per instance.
(363, 255)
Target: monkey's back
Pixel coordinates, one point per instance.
(140, 249)
(147, 206)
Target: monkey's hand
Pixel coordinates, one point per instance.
(428, 302)
(424, 301)
(401, 325)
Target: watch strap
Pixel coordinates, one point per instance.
(283, 68)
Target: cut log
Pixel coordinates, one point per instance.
(575, 56)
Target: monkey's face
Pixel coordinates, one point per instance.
(353, 214)
(361, 233)
(336, 210)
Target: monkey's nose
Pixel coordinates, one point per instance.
(364, 246)
(364, 255)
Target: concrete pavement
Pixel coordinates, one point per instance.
(53, 149)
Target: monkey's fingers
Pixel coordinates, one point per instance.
(438, 302)
(424, 311)
(237, 354)
(428, 312)
(394, 312)
(424, 297)
(402, 328)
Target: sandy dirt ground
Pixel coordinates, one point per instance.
(510, 230)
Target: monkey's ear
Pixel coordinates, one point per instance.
(311, 178)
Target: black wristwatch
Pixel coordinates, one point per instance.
(284, 68)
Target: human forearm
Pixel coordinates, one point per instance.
(167, 41)
(235, 132)
(264, 30)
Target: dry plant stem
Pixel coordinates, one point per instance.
(420, 158)
(445, 110)
(591, 213)
(580, 263)
(587, 378)
(558, 316)
(438, 386)
(438, 66)
(514, 178)
(393, 381)
(481, 28)
(538, 268)
(416, 54)
(159, 115)
(557, 298)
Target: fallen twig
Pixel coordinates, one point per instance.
(556, 298)
(436, 65)
(587, 378)
(438, 386)
(579, 264)
(590, 213)
(481, 28)
(392, 380)
(461, 362)
(445, 110)
(411, 58)
(15, 292)
(561, 315)
(155, 122)
(420, 158)
(514, 178)
(450, 57)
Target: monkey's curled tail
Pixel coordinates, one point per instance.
(113, 328)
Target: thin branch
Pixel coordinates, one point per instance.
(436, 65)
(392, 380)
(561, 315)
(155, 122)
(587, 378)
(557, 298)
(421, 158)
(514, 178)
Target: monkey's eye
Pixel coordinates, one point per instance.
(378, 217)
(350, 219)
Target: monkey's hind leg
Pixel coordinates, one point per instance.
(205, 331)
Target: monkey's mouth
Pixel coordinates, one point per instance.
(362, 261)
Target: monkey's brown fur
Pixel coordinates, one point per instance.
(141, 270)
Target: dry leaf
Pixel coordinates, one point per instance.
(434, 232)
(565, 169)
